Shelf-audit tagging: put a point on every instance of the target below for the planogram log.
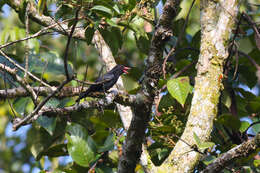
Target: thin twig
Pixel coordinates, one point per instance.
(27, 42)
(250, 59)
(227, 63)
(177, 74)
(85, 77)
(37, 34)
(68, 43)
(252, 23)
(236, 67)
(254, 123)
(10, 104)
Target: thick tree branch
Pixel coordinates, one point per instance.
(241, 151)
(217, 22)
(132, 147)
(120, 96)
(95, 104)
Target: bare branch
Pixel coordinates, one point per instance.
(95, 104)
(27, 42)
(120, 97)
(253, 62)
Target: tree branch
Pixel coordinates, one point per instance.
(243, 150)
(132, 147)
(20, 80)
(215, 21)
(18, 123)
(95, 104)
(120, 96)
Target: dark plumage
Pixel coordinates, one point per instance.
(107, 81)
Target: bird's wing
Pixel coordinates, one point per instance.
(107, 77)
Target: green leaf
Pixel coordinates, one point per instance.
(80, 145)
(20, 105)
(104, 169)
(226, 100)
(112, 22)
(89, 34)
(41, 6)
(53, 102)
(256, 127)
(131, 4)
(244, 125)
(179, 88)
(205, 145)
(51, 64)
(209, 159)
(116, 9)
(256, 163)
(109, 36)
(40, 140)
(56, 151)
(253, 107)
(101, 8)
(143, 44)
(196, 138)
(108, 145)
(48, 123)
(229, 121)
(202, 145)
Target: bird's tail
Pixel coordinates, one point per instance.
(83, 95)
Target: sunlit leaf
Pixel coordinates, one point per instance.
(80, 145)
(179, 89)
(244, 125)
(196, 138)
(41, 6)
(103, 9)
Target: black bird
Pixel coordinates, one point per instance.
(105, 82)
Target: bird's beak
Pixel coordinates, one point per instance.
(125, 69)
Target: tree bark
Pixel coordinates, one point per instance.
(217, 21)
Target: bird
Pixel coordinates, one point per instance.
(105, 82)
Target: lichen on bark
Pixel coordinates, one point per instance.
(216, 26)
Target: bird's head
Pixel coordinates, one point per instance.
(120, 69)
(125, 69)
